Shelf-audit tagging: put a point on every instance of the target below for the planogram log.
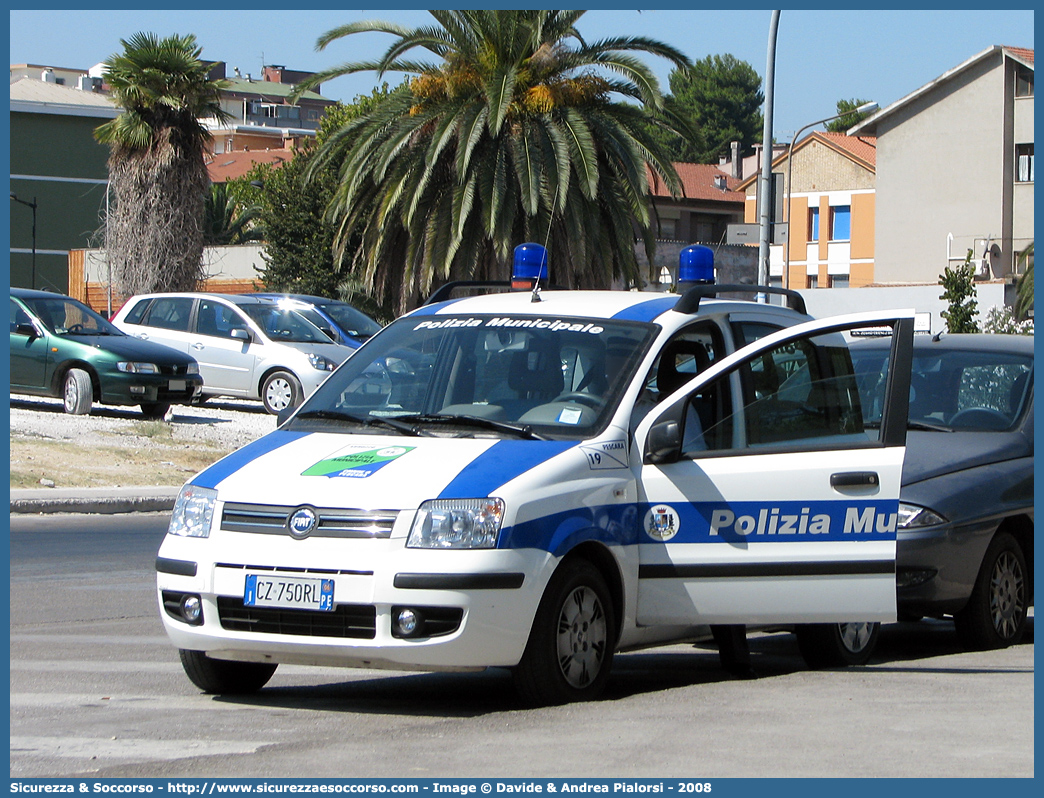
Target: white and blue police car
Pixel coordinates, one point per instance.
(537, 479)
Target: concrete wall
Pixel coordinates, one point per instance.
(941, 169)
(922, 298)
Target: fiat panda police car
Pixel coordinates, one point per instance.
(538, 479)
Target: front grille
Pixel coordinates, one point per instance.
(357, 621)
(334, 522)
(176, 370)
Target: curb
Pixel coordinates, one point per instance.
(94, 500)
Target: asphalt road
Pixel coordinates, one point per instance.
(97, 691)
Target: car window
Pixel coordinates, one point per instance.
(135, 314)
(352, 321)
(288, 326)
(564, 378)
(217, 319)
(18, 316)
(170, 313)
(747, 332)
(801, 393)
(68, 316)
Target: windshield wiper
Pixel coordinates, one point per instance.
(369, 421)
(521, 430)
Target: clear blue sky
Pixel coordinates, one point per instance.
(821, 56)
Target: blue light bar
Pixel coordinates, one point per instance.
(530, 265)
(696, 265)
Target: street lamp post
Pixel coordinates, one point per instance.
(33, 206)
(865, 108)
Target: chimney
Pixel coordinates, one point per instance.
(737, 164)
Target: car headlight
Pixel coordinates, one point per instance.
(192, 368)
(457, 524)
(193, 512)
(321, 363)
(131, 367)
(913, 516)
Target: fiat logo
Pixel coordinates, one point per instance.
(301, 522)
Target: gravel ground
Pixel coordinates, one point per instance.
(117, 446)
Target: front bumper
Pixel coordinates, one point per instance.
(483, 601)
(119, 388)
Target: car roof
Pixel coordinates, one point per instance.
(643, 306)
(309, 298)
(235, 299)
(33, 293)
(961, 342)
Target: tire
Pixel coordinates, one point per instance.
(154, 410)
(570, 648)
(77, 392)
(280, 390)
(995, 616)
(224, 676)
(837, 645)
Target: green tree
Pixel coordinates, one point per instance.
(154, 232)
(959, 285)
(1024, 287)
(509, 135)
(227, 219)
(849, 119)
(720, 98)
(298, 238)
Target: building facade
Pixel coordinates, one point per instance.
(955, 171)
(56, 165)
(827, 240)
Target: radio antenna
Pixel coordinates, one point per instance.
(547, 240)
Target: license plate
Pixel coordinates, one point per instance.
(178, 385)
(289, 592)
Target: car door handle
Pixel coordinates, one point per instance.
(197, 346)
(854, 479)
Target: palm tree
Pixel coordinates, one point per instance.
(1024, 287)
(510, 135)
(154, 232)
(227, 220)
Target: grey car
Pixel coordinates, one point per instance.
(965, 542)
(246, 347)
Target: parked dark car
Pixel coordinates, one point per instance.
(60, 347)
(344, 323)
(965, 540)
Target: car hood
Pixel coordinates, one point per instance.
(131, 348)
(335, 352)
(931, 454)
(371, 471)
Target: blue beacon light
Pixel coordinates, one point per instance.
(530, 266)
(695, 266)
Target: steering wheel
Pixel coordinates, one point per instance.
(580, 397)
(74, 328)
(982, 417)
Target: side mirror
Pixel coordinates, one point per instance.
(24, 328)
(240, 334)
(663, 444)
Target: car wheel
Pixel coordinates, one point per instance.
(78, 393)
(280, 391)
(837, 645)
(224, 676)
(154, 410)
(570, 648)
(995, 616)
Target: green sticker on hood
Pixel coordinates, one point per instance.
(356, 462)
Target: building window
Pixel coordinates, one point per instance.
(841, 223)
(813, 281)
(839, 281)
(1023, 83)
(1024, 163)
(813, 224)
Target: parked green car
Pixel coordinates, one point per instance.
(60, 347)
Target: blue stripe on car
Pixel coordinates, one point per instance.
(500, 463)
(235, 461)
(647, 311)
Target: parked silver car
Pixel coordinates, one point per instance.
(246, 347)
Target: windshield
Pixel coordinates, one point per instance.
(66, 316)
(953, 389)
(286, 326)
(352, 321)
(555, 378)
